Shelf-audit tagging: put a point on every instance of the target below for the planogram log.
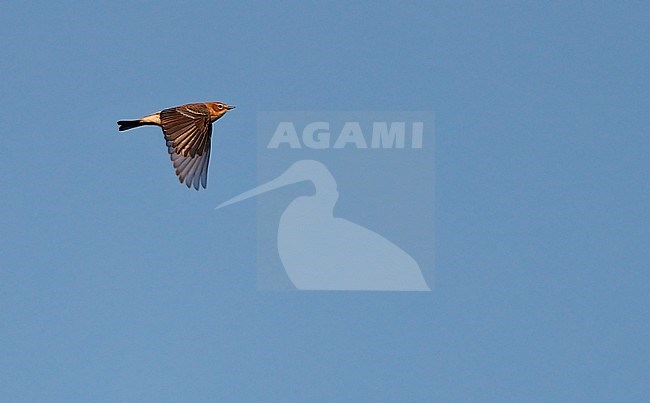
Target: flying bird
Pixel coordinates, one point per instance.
(188, 130)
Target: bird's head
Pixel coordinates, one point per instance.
(219, 109)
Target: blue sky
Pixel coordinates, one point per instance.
(117, 283)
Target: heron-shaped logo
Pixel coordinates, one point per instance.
(323, 252)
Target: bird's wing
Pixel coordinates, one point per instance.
(192, 170)
(188, 132)
(187, 129)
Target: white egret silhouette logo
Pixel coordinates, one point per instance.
(323, 252)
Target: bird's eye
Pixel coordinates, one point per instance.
(220, 106)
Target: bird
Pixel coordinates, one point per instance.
(320, 251)
(188, 131)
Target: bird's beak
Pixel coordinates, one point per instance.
(229, 107)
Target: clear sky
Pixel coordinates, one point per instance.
(119, 284)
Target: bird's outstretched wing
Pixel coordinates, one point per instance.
(188, 131)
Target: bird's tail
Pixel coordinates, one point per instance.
(130, 124)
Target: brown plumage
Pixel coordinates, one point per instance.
(187, 130)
